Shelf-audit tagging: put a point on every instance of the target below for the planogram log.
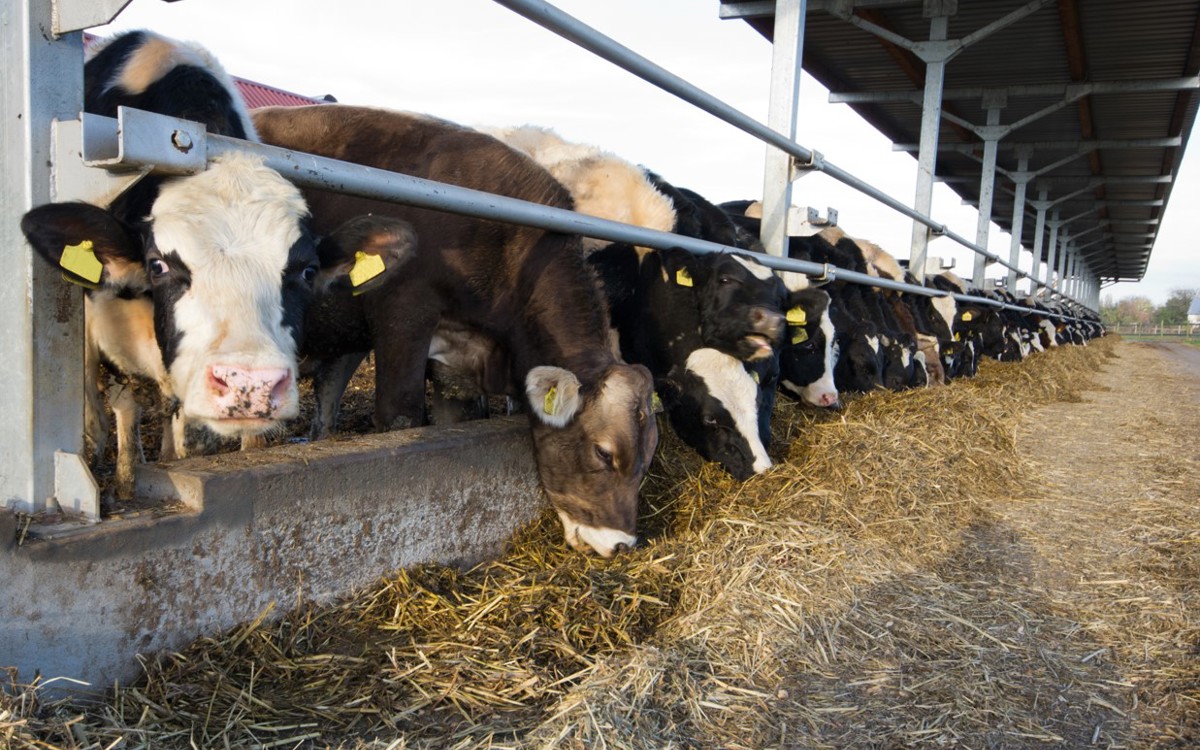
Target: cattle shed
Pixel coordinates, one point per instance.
(1063, 121)
(225, 538)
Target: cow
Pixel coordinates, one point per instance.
(717, 404)
(527, 289)
(198, 283)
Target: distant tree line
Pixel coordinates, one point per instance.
(1141, 310)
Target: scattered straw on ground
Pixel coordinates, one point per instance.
(1008, 562)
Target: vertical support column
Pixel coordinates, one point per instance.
(987, 183)
(41, 352)
(787, 56)
(1060, 284)
(931, 119)
(1021, 178)
(1052, 249)
(1039, 233)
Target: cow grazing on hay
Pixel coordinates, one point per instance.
(528, 290)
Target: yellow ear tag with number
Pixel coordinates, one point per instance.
(549, 402)
(81, 260)
(967, 317)
(656, 405)
(683, 278)
(799, 336)
(796, 316)
(366, 267)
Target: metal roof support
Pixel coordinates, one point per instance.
(787, 53)
(1069, 92)
(1021, 177)
(41, 352)
(987, 188)
(1059, 284)
(1039, 231)
(1052, 247)
(931, 115)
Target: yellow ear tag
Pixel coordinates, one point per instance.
(796, 316)
(366, 267)
(551, 397)
(656, 404)
(683, 278)
(799, 336)
(958, 336)
(967, 317)
(81, 260)
(754, 374)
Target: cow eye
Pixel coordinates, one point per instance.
(727, 279)
(310, 273)
(709, 421)
(605, 456)
(158, 268)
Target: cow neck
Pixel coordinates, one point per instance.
(564, 319)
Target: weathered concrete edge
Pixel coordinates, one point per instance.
(313, 522)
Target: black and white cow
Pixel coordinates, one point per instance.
(199, 283)
(718, 404)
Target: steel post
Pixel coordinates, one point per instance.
(41, 354)
(987, 192)
(1021, 178)
(931, 120)
(787, 54)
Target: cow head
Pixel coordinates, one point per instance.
(740, 301)
(806, 357)
(593, 446)
(713, 403)
(857, 357)
(227, 260)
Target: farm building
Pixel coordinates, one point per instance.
(411, 586)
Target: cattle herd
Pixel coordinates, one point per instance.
(226, 287)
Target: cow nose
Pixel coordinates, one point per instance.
(244, 393)
(829, 400)
(766, 320)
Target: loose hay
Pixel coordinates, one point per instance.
(863, 593)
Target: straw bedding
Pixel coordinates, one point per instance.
(911, 574)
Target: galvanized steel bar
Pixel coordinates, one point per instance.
(987, 191)
(787, 52)
(931, 119)
(572, 29)
(41, 351)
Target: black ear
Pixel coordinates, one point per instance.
(363, 253)
(90, 246)
(668, 391)
(679, 266)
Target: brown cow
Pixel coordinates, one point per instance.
(527, 289)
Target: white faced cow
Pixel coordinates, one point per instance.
(199, 283)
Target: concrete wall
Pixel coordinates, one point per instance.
(268, 526)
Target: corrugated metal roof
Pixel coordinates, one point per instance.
(260, 95)
(1064, 42)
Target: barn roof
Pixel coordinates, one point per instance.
(1109, 153)
(261, 95)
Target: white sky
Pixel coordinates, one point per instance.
(477, 63)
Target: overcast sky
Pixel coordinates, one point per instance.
(477, 63)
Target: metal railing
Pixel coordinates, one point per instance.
(574, 30)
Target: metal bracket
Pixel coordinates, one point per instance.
(137, 138)
(73, 179)
(77, 15)
(816, 162)
(75, 488)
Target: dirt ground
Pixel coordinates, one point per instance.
(1113, 494)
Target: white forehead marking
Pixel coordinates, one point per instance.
(874, 343)
(794, 281)
(754, 267)
(729, 383)
(947, 308)
(825, 383)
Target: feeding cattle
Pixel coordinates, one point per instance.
(198, 283)
(526, 289)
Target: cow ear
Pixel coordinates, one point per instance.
(90, 246)
(668, 392)
(365, 252)
(553, 394)
(679, 266)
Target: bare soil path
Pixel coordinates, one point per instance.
(1109, 536)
